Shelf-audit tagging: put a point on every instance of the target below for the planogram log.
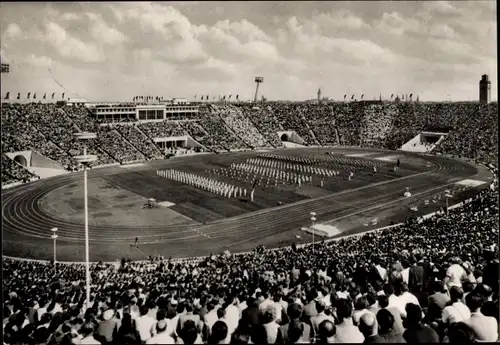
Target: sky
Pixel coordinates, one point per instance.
(115, 51)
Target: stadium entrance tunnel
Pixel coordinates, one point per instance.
(21, 160)
(284, 137)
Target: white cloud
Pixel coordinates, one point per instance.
(40, 61)
(69, 46)
(12, 31)
(104, 33)
(69, 16)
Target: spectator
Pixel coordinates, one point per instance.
(386, 332)
(460, 333)
(161, 336)
(484, 328)
(455, 311)
(416, 332)
(368, 326)
(326, 332)
(347, 332)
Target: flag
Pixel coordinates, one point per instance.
(202, 98)
(230, 96)
(345, 96)
(45, 96)
(34, 95)
(352, 97)
(411, 95)
(223, 98)
(207, 98)
(362, 96)
(18, 95)
(392, 95)
(7, 95)
(237, 97)
(213, 97)
(28, 97)
(195, 97)
(53, 94)
(254, 183)
(63, 95)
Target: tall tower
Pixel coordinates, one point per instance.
(258, 80)
(319, 95)
(484, 89)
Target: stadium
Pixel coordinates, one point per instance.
(198, 222)
(222, 220)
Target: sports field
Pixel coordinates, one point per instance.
(197, 222)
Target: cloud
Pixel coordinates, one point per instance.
(69, 46)
(104, 33)
(12, 31)
(40, 61)
(214, 48)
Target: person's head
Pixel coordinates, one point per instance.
(87, 329)
(326, 331)
(295, 331)
(361, 303)
(474, 301)
(161, 326)
(388, 289)
(484, 290)
(294, 311)
(189, 333)
(40, 335)
(385, 320)
(413, 314)
(268, 315)
(460, 333)
(344, 309)
(258, 334)
(368, 325)
(383, 301)
(219, 332)
(221, 313)
(311, 295)
(456, 294)
(161, 314)
(239, 338)
(144, 309)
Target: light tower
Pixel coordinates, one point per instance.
(258, 80)
(484, 89)
(85, 160)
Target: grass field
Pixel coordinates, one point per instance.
(109, 204)
(117, 199)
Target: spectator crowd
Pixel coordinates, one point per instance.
(47, 128)
(427, 281)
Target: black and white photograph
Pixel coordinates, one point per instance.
(249, 172)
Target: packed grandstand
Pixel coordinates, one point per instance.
(430, 281)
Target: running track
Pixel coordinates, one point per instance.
(26, 227)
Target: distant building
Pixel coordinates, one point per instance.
(78, 102)
(484, 89)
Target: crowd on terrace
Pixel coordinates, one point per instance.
(433, 280)
(473, 129)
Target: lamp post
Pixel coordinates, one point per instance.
(85, 160)
(54, 237)
(313, 219)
